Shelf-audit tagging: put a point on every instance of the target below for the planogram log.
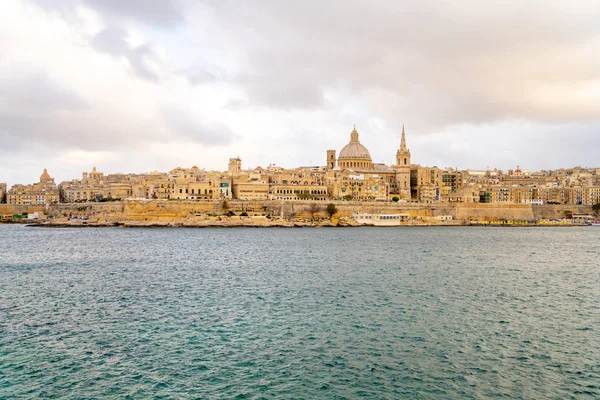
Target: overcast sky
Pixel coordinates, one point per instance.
(142, 85)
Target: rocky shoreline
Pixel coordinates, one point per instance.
(274, 224)
(218, 222)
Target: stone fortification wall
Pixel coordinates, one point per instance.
(157, 210)
(91, 210)
(559, 211)
(8, 209)
(493, 211)
(160, 210)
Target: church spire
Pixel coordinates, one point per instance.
(403, 140)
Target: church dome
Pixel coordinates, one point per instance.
(354, 154)
(45, 176)
(354, 150)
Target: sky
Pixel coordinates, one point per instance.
(144, 85)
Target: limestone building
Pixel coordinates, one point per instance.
(354, 154)
(96, 186)
(403, 167)
(2, 193)
(354, 176)
(41, 193)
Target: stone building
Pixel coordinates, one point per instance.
(403, 167)
(350, 185)
(200, 185)
(354, 169)
(425, 183)
(96, 186)
(354, 154)
(304, 183)
(41, 193)
(2, 193)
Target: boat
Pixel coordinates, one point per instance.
(381, 219)
(595, 223)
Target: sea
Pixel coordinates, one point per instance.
(301, 313)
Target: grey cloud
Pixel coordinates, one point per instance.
(29, 102)
(32, 90)
(440, 63)
(184, 124)
(38, 110)
(164, 13)
(198, 75)
(118, 14)
(154, 12)
(112, 41)
(533, 146)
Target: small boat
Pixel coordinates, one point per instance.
(595, 223)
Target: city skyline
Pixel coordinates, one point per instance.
(156, 85)
(321, 164)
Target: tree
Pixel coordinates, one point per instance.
(224, 206)
(313, 209)
(331, 209)
(596, 208)
(348, 197)
(395, 199)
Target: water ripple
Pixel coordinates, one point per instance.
(308, 313)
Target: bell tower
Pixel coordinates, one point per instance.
(403, 168)
(403, 153)
(330, 159)
(235, 166)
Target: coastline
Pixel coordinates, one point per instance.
(298, 214)
(274, 224)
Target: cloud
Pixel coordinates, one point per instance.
(31, 90)
(162, 13)
(476, 83)
(183, 123)
(198, 75)
(112, 41)
(437, 63)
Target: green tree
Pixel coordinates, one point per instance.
(224, 206)
(331, 209)
(596, 208)
(395, 199)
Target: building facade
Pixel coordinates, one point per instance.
(41, 193)
(2, 193)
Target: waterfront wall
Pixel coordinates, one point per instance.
(151, 210)
(493, 211)
(8, 209)
(559, 211)
(160, 210)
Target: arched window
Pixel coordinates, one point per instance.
(405, 161)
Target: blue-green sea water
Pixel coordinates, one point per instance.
(377, 313)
